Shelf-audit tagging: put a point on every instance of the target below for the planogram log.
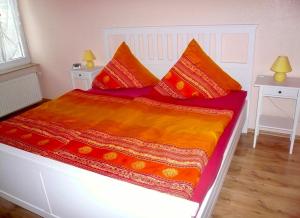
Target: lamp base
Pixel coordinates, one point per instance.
(90, 65)
(279, 77)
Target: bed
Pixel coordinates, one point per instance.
(53, 188)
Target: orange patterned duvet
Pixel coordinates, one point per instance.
(157, 145)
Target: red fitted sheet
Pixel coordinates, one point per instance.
(128, 92)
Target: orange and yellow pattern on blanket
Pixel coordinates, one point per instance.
(157, 145)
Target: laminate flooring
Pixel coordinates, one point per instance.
(261, 182)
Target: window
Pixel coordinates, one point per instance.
(13, 48)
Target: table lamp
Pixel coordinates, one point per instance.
(281, 66)
(89, 58)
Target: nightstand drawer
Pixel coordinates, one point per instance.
(280, 92)
(80, 75)
(83, 78)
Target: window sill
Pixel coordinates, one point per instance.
(18, 68)
(18, 71)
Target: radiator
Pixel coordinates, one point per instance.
(18, 93)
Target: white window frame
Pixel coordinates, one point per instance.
(20, 61)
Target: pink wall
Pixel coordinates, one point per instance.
(58, 31)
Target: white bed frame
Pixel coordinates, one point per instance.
(54, 189)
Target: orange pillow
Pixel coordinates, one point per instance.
(196, 74)
(124, 71)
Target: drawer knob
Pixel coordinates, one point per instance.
(279, 92)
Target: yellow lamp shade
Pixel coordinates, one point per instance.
(88, 55)
(281, 66)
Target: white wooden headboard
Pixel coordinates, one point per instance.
(158, 48)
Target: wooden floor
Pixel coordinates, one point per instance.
(10, 210)
(264, 182)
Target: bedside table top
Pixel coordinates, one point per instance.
(85, 70)
(291, 82)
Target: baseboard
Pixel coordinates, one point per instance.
(278, 134)
(25, 204)
(24, 109)
(45, 100)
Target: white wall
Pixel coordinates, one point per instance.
(59, 31)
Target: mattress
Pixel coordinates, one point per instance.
(17, 132)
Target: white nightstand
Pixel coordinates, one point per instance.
(289, 89)
(83, 78)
